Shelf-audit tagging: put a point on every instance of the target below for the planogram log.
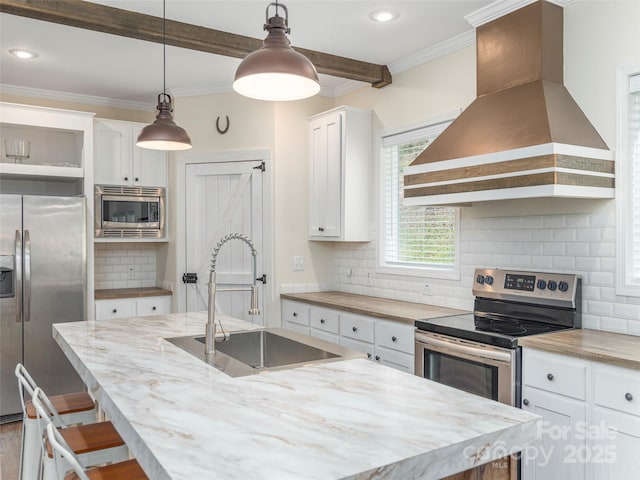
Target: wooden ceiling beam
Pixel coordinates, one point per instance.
(125, 23)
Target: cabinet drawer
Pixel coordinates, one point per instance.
(296, 327)
(395, 336)
(296, 312)
(108, 309)
(356, 327)
(555, 373)
(394, 359)
(617, 388)
(358, 346)
(323, 319)
(153, 306)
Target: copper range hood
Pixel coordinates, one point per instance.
(523, 136)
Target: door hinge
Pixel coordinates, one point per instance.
(261, 167)
(262, 279)
(189, 278)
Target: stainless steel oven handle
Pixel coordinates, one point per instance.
(465, 349)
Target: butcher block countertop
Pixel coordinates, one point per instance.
(404, 312)
(115, 293)
(606, 347)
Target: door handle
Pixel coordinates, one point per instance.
(27, 276)
(18, 279)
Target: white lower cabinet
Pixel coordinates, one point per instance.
(389, 343)
(132, 307)
(591, 418)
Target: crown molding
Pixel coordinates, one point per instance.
(75, 98)
(431, 53)
(500, 8)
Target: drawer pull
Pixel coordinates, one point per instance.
(377, 358)
(137, 179)
(322, 320)
(550, 376)
(115, 310)
(153, 308)
(394, 339)
(355, 329)
(628, 397)
(368, 355)
(525, 402)
(321, 229)
(295, 314)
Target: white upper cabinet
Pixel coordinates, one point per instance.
(340, 175)
(118, 161)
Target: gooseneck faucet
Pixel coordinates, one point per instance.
(210, 337)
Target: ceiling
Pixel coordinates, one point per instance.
(90, 63)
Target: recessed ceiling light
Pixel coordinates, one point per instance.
(17, 52)
(383, 15)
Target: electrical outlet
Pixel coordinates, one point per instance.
(131, 274)
(426, 289)
(297, 263)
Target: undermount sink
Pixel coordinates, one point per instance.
(256, 351)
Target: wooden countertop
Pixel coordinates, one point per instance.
(114, 293)
(404, 312)
(613, 348)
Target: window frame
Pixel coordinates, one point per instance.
(624, 193)
(413, 271)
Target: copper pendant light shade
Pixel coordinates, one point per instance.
(276, 71)
(163, 133)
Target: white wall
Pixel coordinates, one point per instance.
(561, 235)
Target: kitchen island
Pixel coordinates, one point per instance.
(184, 419)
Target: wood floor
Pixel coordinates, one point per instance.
(10, 438)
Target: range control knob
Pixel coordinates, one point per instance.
(563, 286)
(552, 285)
(542, 284)
(480, 279)
(488, 280)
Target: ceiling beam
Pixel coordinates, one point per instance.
(125, 23)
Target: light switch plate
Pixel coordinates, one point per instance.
(297, 263)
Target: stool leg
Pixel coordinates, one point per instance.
(31, 450)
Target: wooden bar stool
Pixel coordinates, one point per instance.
(93, 444)
(129, 470)
(73, 408)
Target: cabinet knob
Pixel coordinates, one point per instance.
(377, 358)
(549, 376)
(355, 329)
(115, 310)
(295, 314)
(628, 397)
(126, 179)
(394, 339)
(322, 320)
(137, 179)
(321, 229)
(368, 355)
(525, 402)
(153, 308)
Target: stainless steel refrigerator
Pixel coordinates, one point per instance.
(42, 282)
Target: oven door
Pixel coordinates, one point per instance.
(485, 370)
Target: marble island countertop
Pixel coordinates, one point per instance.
(354, 419)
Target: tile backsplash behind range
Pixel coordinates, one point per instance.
(125, 265)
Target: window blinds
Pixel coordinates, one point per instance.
(413, 236)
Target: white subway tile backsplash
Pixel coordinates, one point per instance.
(612, 324)
(113, 262)
(628, 311)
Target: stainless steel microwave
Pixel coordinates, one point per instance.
(129, 212)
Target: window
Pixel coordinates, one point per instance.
(414, 240)
(628, 182)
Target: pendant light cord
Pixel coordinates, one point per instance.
(164, 47)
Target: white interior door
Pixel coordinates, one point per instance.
(222, 198)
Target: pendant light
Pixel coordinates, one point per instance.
(276, 71)
(163, 133)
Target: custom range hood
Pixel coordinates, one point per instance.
(523, 136)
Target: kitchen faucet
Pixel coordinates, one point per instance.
(209, 339)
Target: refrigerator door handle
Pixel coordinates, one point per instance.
(27, 276)
(18, 279)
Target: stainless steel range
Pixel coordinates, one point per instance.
(478, 352)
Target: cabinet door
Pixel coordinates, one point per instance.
(112, 154)
(153, 306)
(149, 166)
(615, 451)
(562, 441)
(110, 309)
(325, 201)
